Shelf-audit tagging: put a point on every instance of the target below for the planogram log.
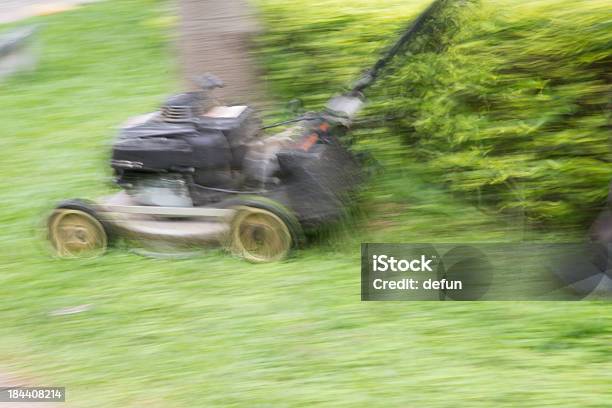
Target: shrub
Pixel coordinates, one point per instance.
(506, 102)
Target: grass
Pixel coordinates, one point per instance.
(216, 331)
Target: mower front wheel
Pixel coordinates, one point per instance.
(74, 230)
(259, 236)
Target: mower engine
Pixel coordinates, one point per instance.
(194, 152)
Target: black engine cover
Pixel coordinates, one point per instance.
(152, 154)
(154, 145)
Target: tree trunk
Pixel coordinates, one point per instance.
(216, 38)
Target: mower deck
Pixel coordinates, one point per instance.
(184, 225)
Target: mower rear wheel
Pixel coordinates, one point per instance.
(259, 236)
(76, 232)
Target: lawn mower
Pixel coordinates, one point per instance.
(197, 172)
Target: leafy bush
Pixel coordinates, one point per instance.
(506, 102)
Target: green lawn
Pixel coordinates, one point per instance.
(216, 331)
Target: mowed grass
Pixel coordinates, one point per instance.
(216, 331)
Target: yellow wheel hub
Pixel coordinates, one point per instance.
(259, 235)
(76, 233)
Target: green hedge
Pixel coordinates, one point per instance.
(507, 102)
